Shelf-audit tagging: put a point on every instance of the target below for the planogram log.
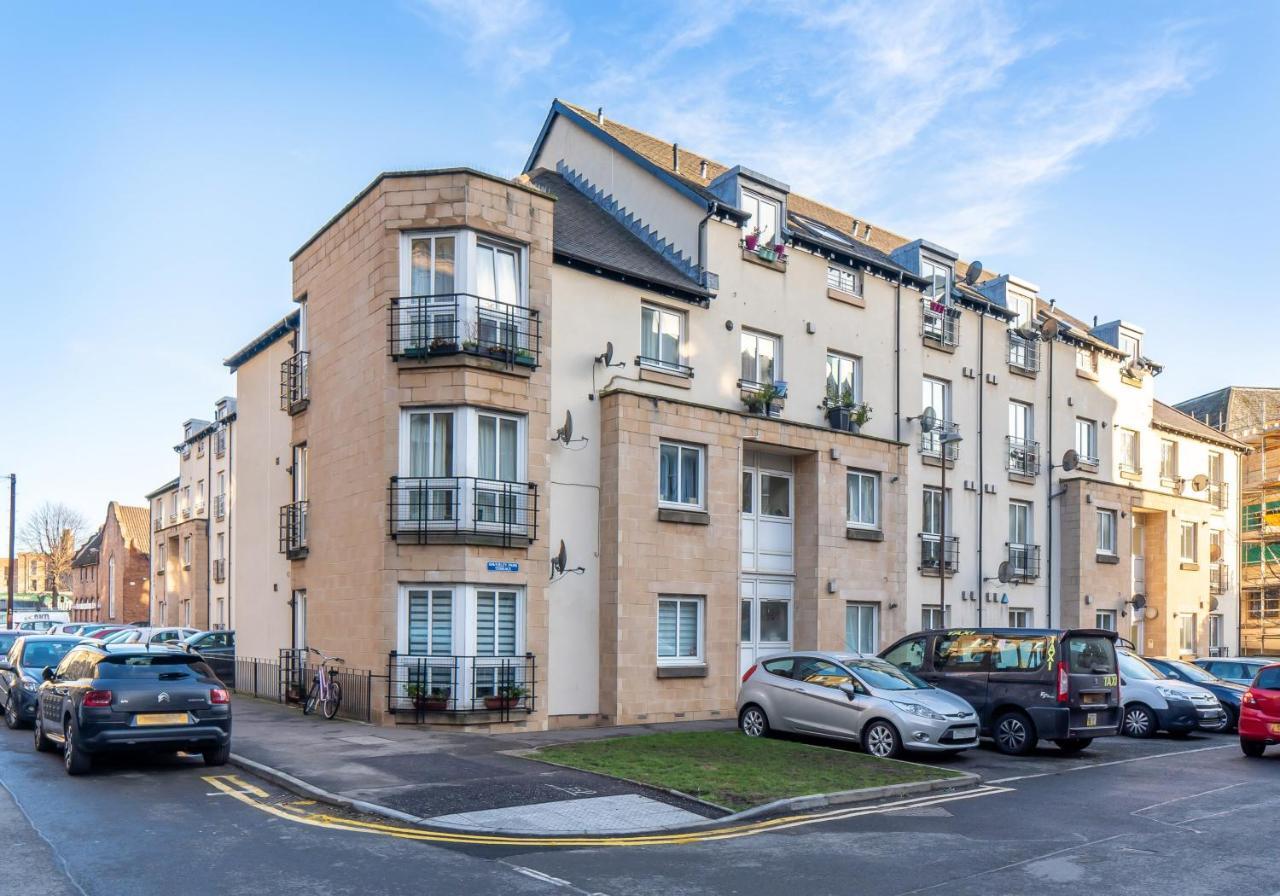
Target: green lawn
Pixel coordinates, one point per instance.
(732, 770)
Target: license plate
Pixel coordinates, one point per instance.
(1093, 698)
(162, 718)
(964, 733)
(1091, 720)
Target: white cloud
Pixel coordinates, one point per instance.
(508, 41)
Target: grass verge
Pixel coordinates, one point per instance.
(732, 770)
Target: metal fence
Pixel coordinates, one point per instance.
(424, 688)
(287, 679)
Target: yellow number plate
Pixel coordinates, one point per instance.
(1110, 681)
(162, 718)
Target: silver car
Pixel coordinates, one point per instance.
(853, 697)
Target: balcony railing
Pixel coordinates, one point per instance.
(219, 506)
(295, 388)
(460, 323)
(1024, 353)
(931, 442)
(939, 322)
(220, 443)
(1219, 578)
(159, 523)
(1218, 494)
(1022, 456)
(935, 552)
(220, 570)
(454, 509)
(420, 688)
(293, 529)
(1024, 562)
(664, 366)
(186, 513)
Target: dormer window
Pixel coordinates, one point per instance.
(938, 288)
(1021, 306)
(766, 216)
(1130, 345)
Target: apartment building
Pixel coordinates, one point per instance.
(1252, 416)
(110, 573)
(576, 448)
(30, 573)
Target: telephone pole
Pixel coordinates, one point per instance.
(13, 525)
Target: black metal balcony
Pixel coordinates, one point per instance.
(1219, 578)
(423, 688)
(220, 570)
(1024, 562)
(295, 389)
(460, 323)
(1024, 353)
(1022, 456)
(462, 510)
(219, 506)
(293, 529)
(937, 553)
(932, 442)
(664, 366)
(220, 442)
(939, 322)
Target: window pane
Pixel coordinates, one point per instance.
(420, 276)
(507, 289)
(649, 333)
(669, 343)
(668, 471)
(507, 454)
(749, 357)
(666, 628)
(764, 354)
(485, 281)
(775, 621)
(690, 476)
(488, 447)
(745, 622)
(688, 628)
(444, 276)
(485, 635)
(775, 495)
(747, 496)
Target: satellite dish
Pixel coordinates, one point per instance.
(928, 420)
(1213, 605)
(1200, 482)
(1215, 552)
(1139, 601)
(1070, 459)
(1151, 612)
(1050, 328)
(973, 273)
(607, 358)
(560, 561)
(565, 433)
(1135, 370)
(1002, 572)
(1028, 330)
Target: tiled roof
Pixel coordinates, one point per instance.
(1236, 409)
(88, 553)
(1164, 416)
(585, 232)
(135, 525)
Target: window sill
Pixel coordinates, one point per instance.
(1024, 478)
(1131, 475)
(1189, 567)
(1086, 375)
(780, 265)
(931, 572)
(297, 407)
(848, 298)
(938, 345)
(1107, 559)
(665, 377)
(692, 517)
(1018, 370)
(857, 533)
(690, 671)
(1086, 467)
(933, 460)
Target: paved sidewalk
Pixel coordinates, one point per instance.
(459, 779)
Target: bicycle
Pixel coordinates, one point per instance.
(325, 692)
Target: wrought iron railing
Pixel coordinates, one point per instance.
(159, 522)
(295, 388)
(297, 670)
(293, 529)
(220, 570)
(1022, 456)
(1218, 494)
(1219, 578)
(664, 366)
(932, 442)
(1024, 353)
(1024, 562)
(220, 443)
(461, 323)
(939, 322)
(937, 553)
(420, 688)
(219, 506)
(448, 509)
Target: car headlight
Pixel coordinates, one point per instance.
(30, 684)
(917, 709)
(1170, 693)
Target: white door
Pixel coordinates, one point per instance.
(768, 513)
(1138, 547)
(300, 619)
(765, 618)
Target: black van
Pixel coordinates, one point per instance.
(1027, 684)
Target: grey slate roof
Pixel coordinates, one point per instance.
(586, 233)
(88, 553)
(1235, 409)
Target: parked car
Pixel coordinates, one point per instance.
(1238, 669)
(1227, 692)
(21, 670)
(1026, 684)
(219, 650)
(1155, 701)
(153, 636)
(67, 628)
(105, 699)
(1260, 712)
(101, 632)
(853, 697)
(7, 637)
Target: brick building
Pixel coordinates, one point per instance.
(111, 573)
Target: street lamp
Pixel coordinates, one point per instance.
(944, 439)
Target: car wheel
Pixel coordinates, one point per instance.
(1233, 721)
(1138, 721)
(1073, 744)
(43, 744)
(880, 739)
(74, 758)
(1252, 748)
(753, 722)
(1014, 734)
(218, 755)
(11, 718)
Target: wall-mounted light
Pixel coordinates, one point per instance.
(810, 328)
(728, 325)
(835, 453)
(832, 586)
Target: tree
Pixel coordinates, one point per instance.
(53, 531)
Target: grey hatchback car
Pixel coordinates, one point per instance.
(853, 697)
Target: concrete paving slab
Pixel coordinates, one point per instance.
(601, 815)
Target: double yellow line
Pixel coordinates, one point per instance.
(257, 798)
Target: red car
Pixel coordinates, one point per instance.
(1260, 712)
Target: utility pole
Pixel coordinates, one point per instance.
(13, 525)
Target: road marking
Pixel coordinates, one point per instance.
(542, 876)
(1047, 855)
(1082, 768)
(1190, 796)
(748, 829)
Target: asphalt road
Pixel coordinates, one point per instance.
(1171, 816)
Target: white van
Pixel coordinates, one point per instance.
(38, 621)
(1154, 702)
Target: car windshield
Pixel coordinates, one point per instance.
(162, 665)
(6, 640)
(38, 654)
(1133, 666)
(1194, 672)
(121, 637)
(885, 676)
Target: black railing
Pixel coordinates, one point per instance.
(293, 529)
(298, 669)
(1219, 578)
(935, 552)
(461, 323)
(295, 389)
(452, 509)
(220, 570)
(664, 366)
(421, 688)
(932, 442)
(1022, 456)
(219, 506)
(1218, 494)
(1024, 353)
(220, 443)
(939, 322)
(1024, 562)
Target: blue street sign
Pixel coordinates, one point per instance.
(502, 566)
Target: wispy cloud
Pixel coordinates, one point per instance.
(509, 41)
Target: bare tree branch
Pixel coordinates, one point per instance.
(53, 531)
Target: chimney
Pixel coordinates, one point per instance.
(867, 235)
(1095, 321)
(702, 169)
(600, 115)
(675, 156)
(855, 228)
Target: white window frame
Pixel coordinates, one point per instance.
(1086, 359)
(860, 476)
(760, 336)
(1193, 530)
(845, 280)
(466, 242)
(186, 552)
(1187, 633)
(929, 271)
(1216, 631)
(756, 204)
(681, 447)
(840, 360)
(667, 365)
(1026, 613)
(927, 617)
(1087, 448)
(1130, 460)
(700, 636)
(1168, 459)
(859, 608)
(1101, 618)
(1111, 530)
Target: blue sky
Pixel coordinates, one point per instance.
(160, 162)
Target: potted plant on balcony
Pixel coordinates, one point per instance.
(752, 240)
(434, 700)
(442, 345)
(525, 357)
(780, 251)
(508, 696)
(761, 401)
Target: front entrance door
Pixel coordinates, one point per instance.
(765, 618)
(768, 513)
(1138, 543)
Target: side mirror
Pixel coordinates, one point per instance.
(850, 690)
(5, 666)
(1122, 681)
(47, 674)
